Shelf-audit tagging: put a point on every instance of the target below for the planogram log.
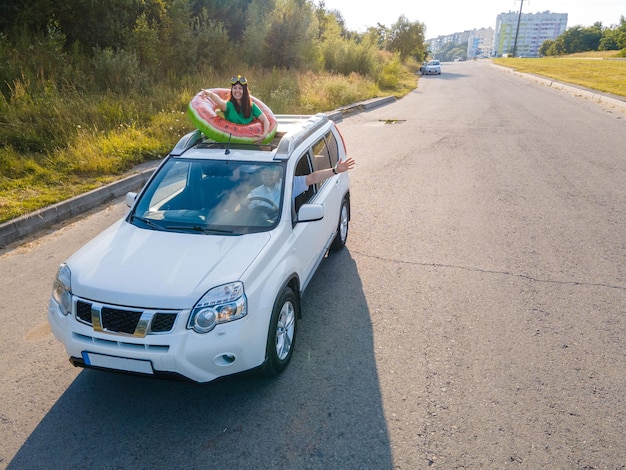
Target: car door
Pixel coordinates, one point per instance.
(308, 236)
(312, 238)
(331, 191)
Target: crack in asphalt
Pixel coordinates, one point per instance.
(490, 271)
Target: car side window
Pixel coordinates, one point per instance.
(332, 148)
(303, 167)
(321, 156)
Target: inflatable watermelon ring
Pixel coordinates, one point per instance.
(203, 114)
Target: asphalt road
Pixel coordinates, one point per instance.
(475, 320)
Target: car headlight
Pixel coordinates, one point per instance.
(61, 289)
(219, 305)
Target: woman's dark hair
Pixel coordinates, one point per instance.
(246, 103)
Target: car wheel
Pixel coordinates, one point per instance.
(342, 227)
(281, 338)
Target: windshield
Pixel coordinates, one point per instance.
(211, 196)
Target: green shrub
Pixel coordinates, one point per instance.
(117, 71)
(390, 73)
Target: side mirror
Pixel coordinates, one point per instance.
(310, 212)
(130, 198)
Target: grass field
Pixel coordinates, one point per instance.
(602, 70)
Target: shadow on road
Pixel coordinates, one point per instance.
(445, 75)
(324, 411)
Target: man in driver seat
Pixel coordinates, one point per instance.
(271, 178)
(268, 191)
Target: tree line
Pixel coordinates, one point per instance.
(451, 50)
(584, 39)
(124, 45)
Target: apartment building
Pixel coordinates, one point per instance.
(480, 43)
(438, 43)
(534, 29)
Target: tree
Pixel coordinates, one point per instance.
(232, 14)
(330, 22)
(545, 47)
(210, 45)
(578, 39)
(381, 35)
(614, 38)
(255, 32)
(407, 39)
(450, 50)
(107, 24)
(290, 39)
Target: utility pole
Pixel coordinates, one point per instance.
(519, 18)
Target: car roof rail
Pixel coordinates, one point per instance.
(293, 129)
(298, 129)
(186, 142)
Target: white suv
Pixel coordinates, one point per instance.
(203, 277)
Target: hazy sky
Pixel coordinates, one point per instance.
(443, 17)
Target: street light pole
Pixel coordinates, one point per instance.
(519, 18)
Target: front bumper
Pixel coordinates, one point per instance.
(229, 349)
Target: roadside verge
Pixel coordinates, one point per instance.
(593, 95)
(28, 224)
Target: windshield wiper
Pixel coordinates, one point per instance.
(148, 222)
(198, 228)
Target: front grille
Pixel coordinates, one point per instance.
(119, 321)
(83, 311)
(163, 322)
(134, 322)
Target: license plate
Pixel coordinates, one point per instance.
(118, 363)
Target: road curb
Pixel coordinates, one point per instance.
(571, 89)
(28, 224)
(365, 106)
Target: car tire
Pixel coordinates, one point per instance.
(283, 329)
(341, 235)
